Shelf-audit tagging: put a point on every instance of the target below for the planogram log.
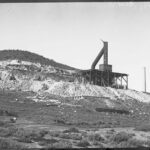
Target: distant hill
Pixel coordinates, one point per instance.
(31, 57)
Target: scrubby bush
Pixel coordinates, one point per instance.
(111, 131)
(45, 87)
(64, 135)
(24, 136)
(73, 129)
(42, 133)
(61, 144)
(131, 143)
(147, 143)
(28, 135)
(8, 113)
(76, 136)
(7, 144)
(54, 133)
(121, 137)
(97, 144)
(95, 137)
(83, 143)
(4, 124)
(84, 134)
(60, 121)
(145, 128)
(11, 113)
(5, 132)
(46, 142)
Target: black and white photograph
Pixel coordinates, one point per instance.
(74, 75)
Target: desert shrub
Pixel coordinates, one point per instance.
(120, 137)
(95, 137)
(111, 131)
(147, 143)
(73, 129)
(60, 121)
(83, 143)
(76, 136)
(131, 143)
(42, 133)
(125, 144)
(83, 123)
(45, 87)
(47, 141)
(84, 134)
(7, 144)
(145, 128)
(65, 136)
(24, 136)
(11, 113)
(61, 144)
(8, 113)
(110, 110)
(4, 124)
(5, 132)
(28, 135)
(136, 143)
(55, 133)
(97, 144)
(73, 136)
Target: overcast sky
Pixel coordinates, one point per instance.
(70, 33)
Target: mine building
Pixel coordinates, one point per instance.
(104, 76)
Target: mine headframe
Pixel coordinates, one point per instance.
(104, 75)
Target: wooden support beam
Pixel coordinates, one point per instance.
(121, 80)
(90, 76)
(124, 79)
(127, 82)
(102, 82)
(107, 78)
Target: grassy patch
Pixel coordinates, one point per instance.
(121, 137)
(8, 113)
(54, 133)
(83, 143)
(28, 136)
(60, 144)
(73, 129)
(145, 128)
(6, 132)
(109, 110)
(46, 142)
(98, 144)
(132, 143)
(4, 124)
(66, 134)
(95, 137)
(7, 144)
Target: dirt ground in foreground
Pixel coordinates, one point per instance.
(92, 128)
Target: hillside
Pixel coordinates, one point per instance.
(31, 57)
(46, 96)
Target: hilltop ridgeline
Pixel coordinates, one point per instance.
(31, 57)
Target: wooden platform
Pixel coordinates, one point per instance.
(104, 78)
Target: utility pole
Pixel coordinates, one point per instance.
(144, 79)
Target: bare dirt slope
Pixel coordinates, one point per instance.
(71, 123)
